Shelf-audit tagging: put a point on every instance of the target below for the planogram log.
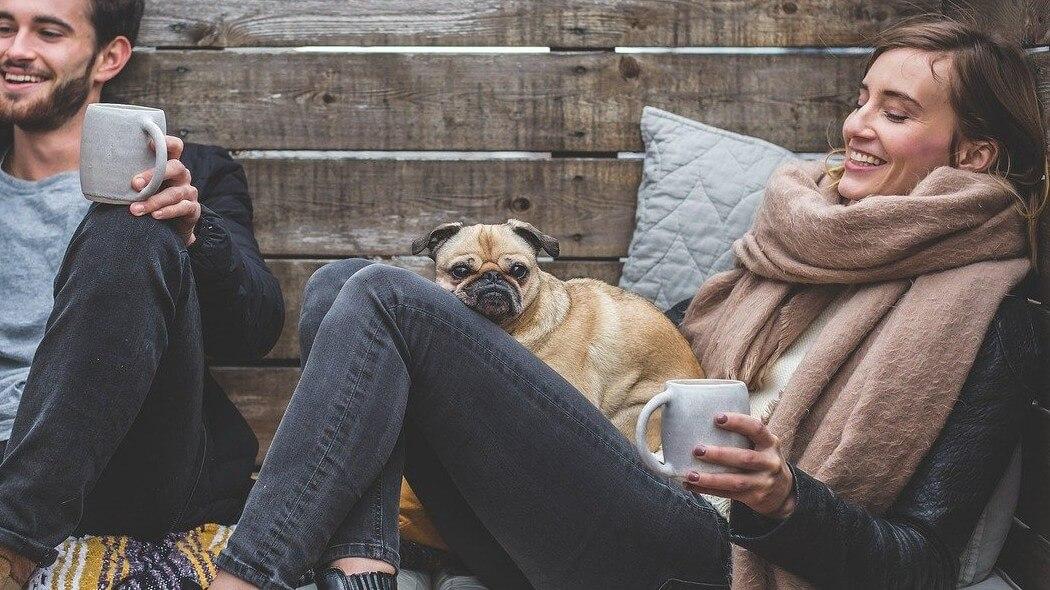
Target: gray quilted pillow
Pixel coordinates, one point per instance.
(700, 188)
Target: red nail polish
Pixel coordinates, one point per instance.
(700, 450)
(693, 476)
(721, 419)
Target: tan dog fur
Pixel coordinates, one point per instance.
(616, 348)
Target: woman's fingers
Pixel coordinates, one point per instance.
(762, 479)
(745, 459)
(727, 484)
(753, 428)
(763, 492)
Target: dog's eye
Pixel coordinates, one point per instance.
(519, 271)
(460, 271)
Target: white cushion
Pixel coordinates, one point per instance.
(981, 553)
(700, 188)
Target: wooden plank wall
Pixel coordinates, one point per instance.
(350, 153)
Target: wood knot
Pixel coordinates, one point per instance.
(629, 67)
(327, 98)
(789, 8)
(520, 204)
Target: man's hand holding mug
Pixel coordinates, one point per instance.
(126, 158)
(177, 198)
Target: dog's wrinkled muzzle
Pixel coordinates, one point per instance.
(494, 302)
(494, 298)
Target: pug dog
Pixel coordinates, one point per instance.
(616, 348)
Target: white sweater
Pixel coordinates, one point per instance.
(763, 401)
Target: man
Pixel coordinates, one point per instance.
(114, 424)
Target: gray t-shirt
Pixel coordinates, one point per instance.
(37, 220)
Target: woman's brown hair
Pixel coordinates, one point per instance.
(993, 94)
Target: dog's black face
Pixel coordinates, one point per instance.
(492, 295)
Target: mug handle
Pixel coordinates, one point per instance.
(160, 147)
(648, 457)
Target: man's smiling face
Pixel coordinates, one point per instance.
(47, 58)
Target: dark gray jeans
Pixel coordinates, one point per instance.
(111, 434)
(528, 483)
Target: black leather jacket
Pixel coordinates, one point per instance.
(918, 541)
(242, 313)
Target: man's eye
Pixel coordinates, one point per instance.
(7, 30)
(460, 271)
(519, 271)
(896, 117)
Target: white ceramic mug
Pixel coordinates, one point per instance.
(114, 148)
(690, 407)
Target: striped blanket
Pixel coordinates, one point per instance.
(179, 561)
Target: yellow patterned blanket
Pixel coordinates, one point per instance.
(179, 561)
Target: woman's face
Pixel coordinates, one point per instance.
(902, 127)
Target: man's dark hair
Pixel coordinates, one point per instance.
(115, 18)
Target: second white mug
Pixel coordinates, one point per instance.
(689, 410)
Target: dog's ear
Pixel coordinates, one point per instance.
(437, 236)
(538, 239)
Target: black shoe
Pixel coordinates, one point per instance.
(333, 579)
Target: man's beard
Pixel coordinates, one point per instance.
(50, 113)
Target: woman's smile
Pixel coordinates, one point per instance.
(858, 161)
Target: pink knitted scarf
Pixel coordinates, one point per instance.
(922, 275)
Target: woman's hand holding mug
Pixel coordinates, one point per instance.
(713, 446)
(763, 481)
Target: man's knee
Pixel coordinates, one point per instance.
(113, 249)
(112, 229)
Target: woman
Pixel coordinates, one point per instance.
(890, 297)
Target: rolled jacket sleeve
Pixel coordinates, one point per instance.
(242, 310)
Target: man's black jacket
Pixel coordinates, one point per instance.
(242, 313)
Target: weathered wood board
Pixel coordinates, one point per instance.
(577, 101)
(546, 23)
(342, 207)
